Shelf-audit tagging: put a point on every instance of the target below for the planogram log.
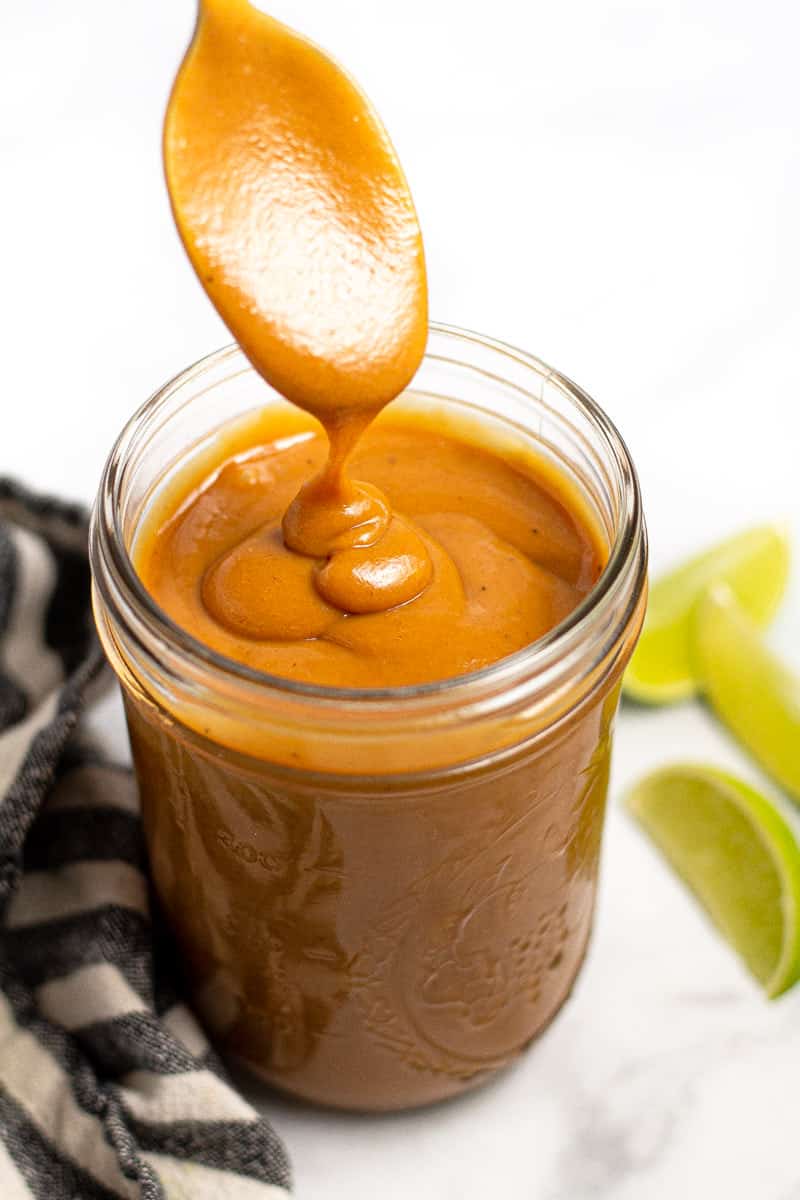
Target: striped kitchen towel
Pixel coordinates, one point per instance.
(108, 1087)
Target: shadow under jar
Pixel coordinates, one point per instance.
(381, 897)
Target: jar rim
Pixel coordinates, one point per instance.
(109, 555)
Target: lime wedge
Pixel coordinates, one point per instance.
(748, 687)
(738, 855)
(754, 564)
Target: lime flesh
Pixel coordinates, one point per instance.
(749, 688)
(739, 857)
(754, 564)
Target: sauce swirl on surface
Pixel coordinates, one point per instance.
(510, 556)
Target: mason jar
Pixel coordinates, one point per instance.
(380, 896)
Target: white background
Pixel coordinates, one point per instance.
(616, 187)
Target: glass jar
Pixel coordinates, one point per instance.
(380, 896)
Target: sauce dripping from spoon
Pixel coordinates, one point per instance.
(299, 222)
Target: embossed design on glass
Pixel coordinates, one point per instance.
(244, 876)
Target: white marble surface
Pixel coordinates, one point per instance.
(616, 187)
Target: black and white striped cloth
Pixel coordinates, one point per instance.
(108, 1087)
